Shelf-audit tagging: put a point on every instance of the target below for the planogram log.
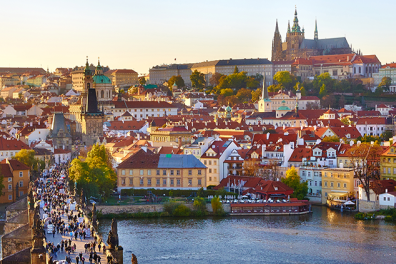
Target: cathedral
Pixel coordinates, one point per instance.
(297, 46)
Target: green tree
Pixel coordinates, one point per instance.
(293, 181)
(385, 82)
(227, 92)
(252, 82)
(200, 192)
(142, 80)
(328, 100)
(386, 135)
(256, 94)
(200, 206)
(284, 78)
(331, 139)
(217, 206)
(236, 69)
(323, 91)
(178, 79)
(341, 102)
(26, 156)
(197, 79)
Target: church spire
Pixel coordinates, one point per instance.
(264, 94)
(288, 27)
(276, 27)
(316, 30)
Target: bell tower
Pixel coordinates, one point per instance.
(87, 84)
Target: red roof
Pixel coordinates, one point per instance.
(371, 121)
(300, 153)
(12, 144)
(126, 125)
(390, 65)
(301, 61)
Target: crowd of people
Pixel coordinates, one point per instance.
(64, 220)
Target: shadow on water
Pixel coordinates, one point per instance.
(322, 237)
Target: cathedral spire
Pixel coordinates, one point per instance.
(288, 27)
(316, 30)
(264, 94)
(296, 27)
(276, 27)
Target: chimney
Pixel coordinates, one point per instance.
(268, 134)
(138, 136)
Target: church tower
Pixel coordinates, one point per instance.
(294, 38)
(91, 119)
(316, 31)
(87, 84)
(265, 104)
(277, 45)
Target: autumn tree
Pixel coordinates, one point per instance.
(365, 161)
(176, 79)
(215, 79)
(293, 181)
(256, 94)
(236, 70)
(331, 139)
(244, 95)
(385, 82)
(142, 80)
(270, 171)
(284, 78)
(27, 157)
(250, 167)
(197, 79)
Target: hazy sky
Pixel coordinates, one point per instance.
(142, 34)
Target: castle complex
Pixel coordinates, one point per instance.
(297, 46)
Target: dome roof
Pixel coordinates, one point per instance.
(101, 79)
(283, 101)
(284, 108)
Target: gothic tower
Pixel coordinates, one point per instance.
(88, 84)
(294, 38)
(277, 45)
(265, 104)
(316, 31)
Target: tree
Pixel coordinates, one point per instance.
(176, 79)
(323, 91)
(283, 78)
(256, 95)
(252, 82)
(365, 160)
(227, 92)
(200, 206)
(293, 181)
(26, 156)
(346, 121)
(341, 102)
(236, 69)
(328, 100)
(303, 91)
(331, 139)
(215, 79)
(250, 168)
(244, 95)
(142, 80)
(387, 135)
(271, 170)
(197, 79)
(217, 206)
(95, 174)
(312, 106)
(385, 82)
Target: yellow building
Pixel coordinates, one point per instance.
(16, 177)
(171, 134)
(337, 184)
(388, 163)
(145, 170)
(9, 80)
(123, 78)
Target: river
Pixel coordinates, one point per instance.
(324, 236)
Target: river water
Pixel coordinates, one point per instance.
(324, 236)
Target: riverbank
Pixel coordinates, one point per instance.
(389, 215)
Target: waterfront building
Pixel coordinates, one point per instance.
(16, 178)
(337, 185)
(145, 170)
(388, 163)
(313, 175)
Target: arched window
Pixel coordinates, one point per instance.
(102, 94)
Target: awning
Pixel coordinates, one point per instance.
(338, 194)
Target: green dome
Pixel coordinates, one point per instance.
(101, 79)
(283, 101)
(283, 108)
(228, 109)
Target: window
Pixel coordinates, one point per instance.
(338, 185)
(141, 181)
(10, 197)
(388, 199)
(148, 172)
(189, 181)
(210, 178)
(389, 170)
(331, 184)
(172, 172)
(205, 162)
(384, 198)
(130, 172)
(325, 184)
(199, 182)
(178, 182)
(177, 172)
(158, 172)
(123, 181)
(163, 172)
(384, 170)
(172, 182)
(148, 181)
(215, 171)
(130, 181)
(214, 162)
(210, 170)
(10, 179)
(123, 172)
(20, 174)
(199, 172)
(158, 182)
(164, 182)
(141, 172)
(334, 72)
(189, 172)
(316, 183)
(345, 185)
(210, 162)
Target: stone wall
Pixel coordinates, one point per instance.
(16, 240)
(368, 206)
(22, 257)
(16, 222)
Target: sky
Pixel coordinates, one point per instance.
(141, 34)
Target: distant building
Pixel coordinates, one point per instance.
(16, 178)
(162, 73)
(122, 78)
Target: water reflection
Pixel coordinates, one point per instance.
(323, 237)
